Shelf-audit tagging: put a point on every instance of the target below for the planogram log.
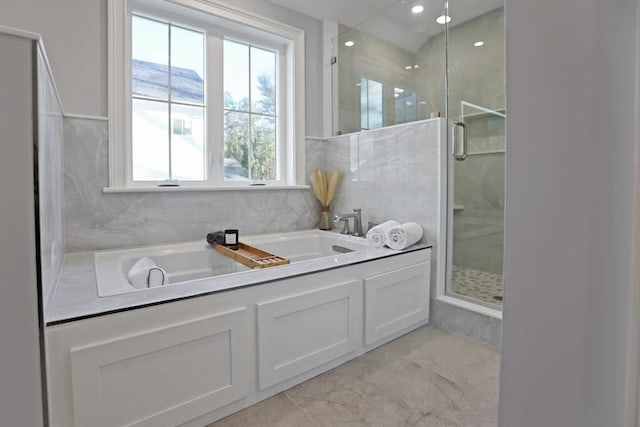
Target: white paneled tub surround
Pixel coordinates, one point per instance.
(195, 360)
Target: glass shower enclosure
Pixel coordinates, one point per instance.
(442, 58)
(476, 166)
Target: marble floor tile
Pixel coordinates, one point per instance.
(279, 410)
(455, 357)
(426, 378)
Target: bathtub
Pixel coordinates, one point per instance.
(225, 334)
(196, 261)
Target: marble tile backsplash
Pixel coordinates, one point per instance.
(50, 179)
(390, 173)
(98, 220)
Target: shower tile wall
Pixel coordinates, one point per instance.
(51, 183)
(375, 59)
(97, 220)
(478, 230)
(476, 74)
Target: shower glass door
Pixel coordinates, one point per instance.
(476, 101)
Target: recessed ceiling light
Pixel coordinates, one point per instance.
(422, 102)
(416, 66)
(408, 67)
(479, 43)
(443, 19)
(349, 43)
(417, 9)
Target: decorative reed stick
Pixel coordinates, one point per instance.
(325, 190)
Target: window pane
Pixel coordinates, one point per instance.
(187, 143)
(371, 115)
(150, 140)
(187, 65)
(411, 107)
(263, 148)
(364, 111)
(398, 94)
(236, 145)
(374, 104)
(150, 58)
(263, 78)
(406, 106)
(236, 76)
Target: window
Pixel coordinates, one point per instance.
(406, 105)
(207, 95)
(250, 117)
(371, 114)
(167, 87)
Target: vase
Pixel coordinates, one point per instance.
(325, 218)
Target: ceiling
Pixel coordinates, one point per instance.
(392, 20)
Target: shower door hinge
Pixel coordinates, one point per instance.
(334, 59)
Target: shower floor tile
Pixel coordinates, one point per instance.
(477, 284)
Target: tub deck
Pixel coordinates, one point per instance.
(77, 294)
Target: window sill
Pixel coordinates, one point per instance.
(185, 189)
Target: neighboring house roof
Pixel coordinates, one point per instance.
(150, 79)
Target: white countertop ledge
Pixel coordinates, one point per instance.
(76, 295)
(181, 189)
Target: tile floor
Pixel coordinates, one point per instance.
(426, 378)
(477, 284)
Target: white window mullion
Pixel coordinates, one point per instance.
(119, 55)
(282, 136)
(127, 107)
(214, 102)
(170, 97)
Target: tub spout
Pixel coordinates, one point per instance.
(357, 222)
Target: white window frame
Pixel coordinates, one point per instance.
(256, 30)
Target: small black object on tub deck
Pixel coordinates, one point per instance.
(216, 238)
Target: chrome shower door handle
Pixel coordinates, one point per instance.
(459, 141)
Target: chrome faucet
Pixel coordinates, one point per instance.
(357, 222)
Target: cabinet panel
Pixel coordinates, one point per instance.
(395, 300)
(162, 377)
(300, 332)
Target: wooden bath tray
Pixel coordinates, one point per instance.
(252, 257)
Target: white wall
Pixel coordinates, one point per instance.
(570, 131)
(20, 383)
(75, 33)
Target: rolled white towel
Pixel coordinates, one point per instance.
(404, 235)
(146, 274)
(377, 235)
